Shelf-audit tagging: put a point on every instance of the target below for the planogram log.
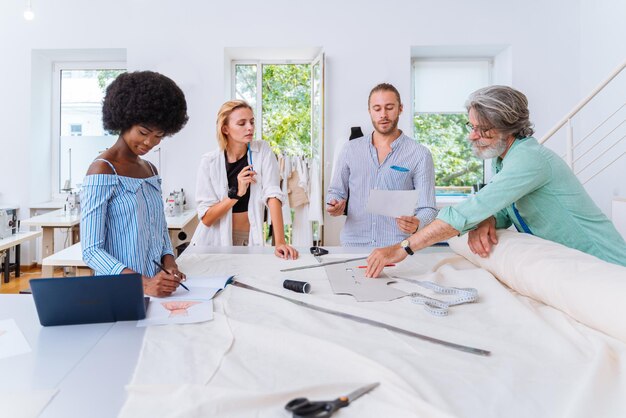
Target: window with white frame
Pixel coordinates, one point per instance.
(440, 89)
(287, 98)
(77, 133)
(280, 93)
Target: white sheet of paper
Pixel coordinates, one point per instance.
(200, 287)
(165, 311)
(392, 203)
(12, 341)
(185, 306)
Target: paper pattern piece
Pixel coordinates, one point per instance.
(185, 307)
(12, 341)
(348, 279)
(392, 203)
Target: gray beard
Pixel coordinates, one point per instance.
(493, 151)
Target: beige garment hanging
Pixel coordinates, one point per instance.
(297, 195)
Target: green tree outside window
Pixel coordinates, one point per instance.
(286, 108)
(446, 137)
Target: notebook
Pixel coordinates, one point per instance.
(89, 299)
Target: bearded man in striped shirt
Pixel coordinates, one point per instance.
(386, 159)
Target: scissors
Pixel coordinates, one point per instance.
(304, 408)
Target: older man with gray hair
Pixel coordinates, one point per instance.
(532, 188)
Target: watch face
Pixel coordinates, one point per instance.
(405, 244)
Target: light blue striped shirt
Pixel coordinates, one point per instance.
(409, 166)
(123, 224)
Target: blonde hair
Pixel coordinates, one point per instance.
(222, 119)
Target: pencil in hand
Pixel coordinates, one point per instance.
(159, 265)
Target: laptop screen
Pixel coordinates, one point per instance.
(89, 299)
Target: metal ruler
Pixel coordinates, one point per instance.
(467, 349)
(328, 263)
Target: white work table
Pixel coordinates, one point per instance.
(180, 221)
(181, 227)
(15, 240)
(88, 364)
(95, 385)
(46, 206)
(59, 218)
(260, 351)
(51, 220)
(72, 256)
(18, 238)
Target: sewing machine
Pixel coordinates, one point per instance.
(8, 222)
(175, 203)
(72, 203)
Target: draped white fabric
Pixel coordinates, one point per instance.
(261, 351)
(588, 289)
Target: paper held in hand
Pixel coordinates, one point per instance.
(392, 203)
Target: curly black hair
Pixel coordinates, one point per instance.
(144, 97)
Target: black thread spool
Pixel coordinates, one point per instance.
(296, 286)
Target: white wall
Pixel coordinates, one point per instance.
(602, 49)
(365, 42)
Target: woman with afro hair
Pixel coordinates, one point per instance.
(123, 228)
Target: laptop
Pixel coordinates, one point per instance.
(89, 299)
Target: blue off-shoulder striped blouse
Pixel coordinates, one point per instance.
(123, 223)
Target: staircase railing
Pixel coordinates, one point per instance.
(611, 132)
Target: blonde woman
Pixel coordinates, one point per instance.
(234, 184)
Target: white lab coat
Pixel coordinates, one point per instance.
(212, 187)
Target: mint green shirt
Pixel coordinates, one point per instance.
(550, 201)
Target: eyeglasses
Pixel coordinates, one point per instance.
(480, 130)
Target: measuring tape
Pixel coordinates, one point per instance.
(440, 307)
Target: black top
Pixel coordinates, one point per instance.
(232, 170)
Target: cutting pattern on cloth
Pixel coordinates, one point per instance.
(349, 279)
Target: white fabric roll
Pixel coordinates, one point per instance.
(588, 289)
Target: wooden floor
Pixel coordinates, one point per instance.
(21, 283)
